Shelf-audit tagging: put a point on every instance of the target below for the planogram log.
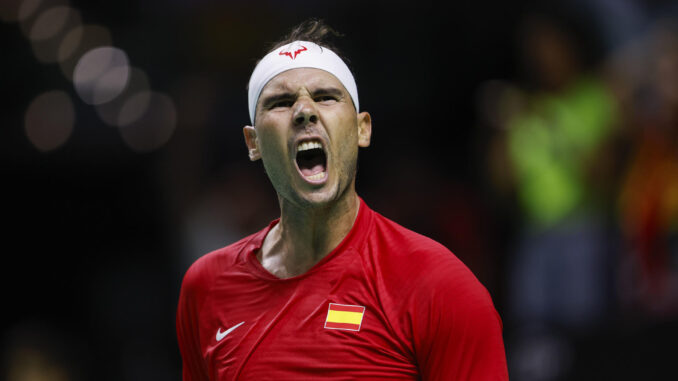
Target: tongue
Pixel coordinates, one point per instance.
(310, 171)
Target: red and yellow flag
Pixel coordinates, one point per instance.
(344, 316)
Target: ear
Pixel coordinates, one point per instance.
(364, 129)
(251, 142)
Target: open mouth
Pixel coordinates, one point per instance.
(312, 161)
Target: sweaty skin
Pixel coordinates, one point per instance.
(298, 105)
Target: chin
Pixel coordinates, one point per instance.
(318, 198)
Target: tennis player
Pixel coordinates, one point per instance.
(331, 290)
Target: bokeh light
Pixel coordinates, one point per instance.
(49, 23)
(49, 120)
(134, 108)
(49, 30)
(109, 112)
(149, 121)
(70, 43)
(30, 11)
(79, 41)
(9, 10)
(27, 9)
(101, 75)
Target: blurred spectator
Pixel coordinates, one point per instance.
(648, 200)
(552, 153)
(554, 147)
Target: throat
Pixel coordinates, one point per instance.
(284, 256)
(299, 241)
(311, 162)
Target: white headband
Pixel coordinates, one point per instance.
(298, 54)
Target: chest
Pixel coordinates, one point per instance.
(331, 325)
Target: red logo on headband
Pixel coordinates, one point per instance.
(292, 52)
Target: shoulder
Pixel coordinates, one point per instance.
(438, 306)
(399, 246)
(414, 265)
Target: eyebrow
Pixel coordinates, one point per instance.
(328, 91)
(276, 97)
(289, 95)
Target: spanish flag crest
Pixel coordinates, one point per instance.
(345, 317)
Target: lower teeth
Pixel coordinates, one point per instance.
(317, 176)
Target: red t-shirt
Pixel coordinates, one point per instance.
(387, 303)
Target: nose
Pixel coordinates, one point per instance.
(305, 112)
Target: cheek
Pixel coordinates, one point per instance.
(269, 148)
(347, 147)
(271, 142)
(350, 135)
(346, 122)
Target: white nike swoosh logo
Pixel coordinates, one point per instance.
(221, 335)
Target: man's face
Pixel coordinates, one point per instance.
(307, 133)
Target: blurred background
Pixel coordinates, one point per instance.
(536, 140)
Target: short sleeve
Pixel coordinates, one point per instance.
(188, 334)
(457, 331)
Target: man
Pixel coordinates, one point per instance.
(331, 290)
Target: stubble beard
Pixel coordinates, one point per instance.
(326, 196)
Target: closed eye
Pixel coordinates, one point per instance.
(325, 99)
(328, 95)
(281, 103)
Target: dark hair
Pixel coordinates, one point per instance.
(313, 30)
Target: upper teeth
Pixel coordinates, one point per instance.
(308, 145)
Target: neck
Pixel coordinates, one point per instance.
(306, 235)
